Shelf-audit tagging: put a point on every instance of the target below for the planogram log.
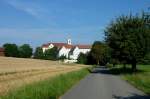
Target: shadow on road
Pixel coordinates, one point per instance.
(134, 96)
(107, 71)
(113, 71)
(101, 69)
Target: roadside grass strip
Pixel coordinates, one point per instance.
(51, 88)
(139, 79)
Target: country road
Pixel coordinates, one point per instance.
(102, 85)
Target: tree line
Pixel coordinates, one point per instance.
(99, 55)
(127, 41)
(26, 51)
(49, 54)
(23, 51)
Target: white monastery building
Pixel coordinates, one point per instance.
(67, 49)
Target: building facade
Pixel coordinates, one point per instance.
(67, 49)
(2, 52)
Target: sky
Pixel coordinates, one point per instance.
(40, 21)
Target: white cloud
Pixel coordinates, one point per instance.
(28, 7)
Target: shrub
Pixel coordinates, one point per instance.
(51, 54)
(62, 57)
(82, 59)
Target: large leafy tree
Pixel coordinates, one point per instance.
(11, 50)
(25, 51)
(129, 39)
(99, 52)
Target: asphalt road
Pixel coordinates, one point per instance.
(102, 85)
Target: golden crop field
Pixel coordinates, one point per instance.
(15, 72)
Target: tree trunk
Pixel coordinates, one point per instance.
(124, 66)
(97, 62)
(114, 65)
(133, 65)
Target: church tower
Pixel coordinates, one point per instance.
(69, 41)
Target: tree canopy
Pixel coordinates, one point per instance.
(99, 52)
(25, 51)
(11, 50)
(129, 39)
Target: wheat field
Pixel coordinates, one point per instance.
(16, 72)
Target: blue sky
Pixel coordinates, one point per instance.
(40, 21)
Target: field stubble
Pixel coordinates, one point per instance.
(15, 72)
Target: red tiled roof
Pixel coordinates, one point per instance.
(59, 45)
(84, 46)
(45, 45)
(1, 49)
(68, 46)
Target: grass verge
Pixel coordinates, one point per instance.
(47, 89)
(140, 79)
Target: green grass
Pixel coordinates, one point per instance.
(51, 88)
(140, 79)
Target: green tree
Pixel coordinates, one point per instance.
(82, 58)
(99, 52)
(25, 51)
(51, 54)
(113, 59)
(90, 59)
(129, 38)
(11, 50)
(145, 60)
(39, 53)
